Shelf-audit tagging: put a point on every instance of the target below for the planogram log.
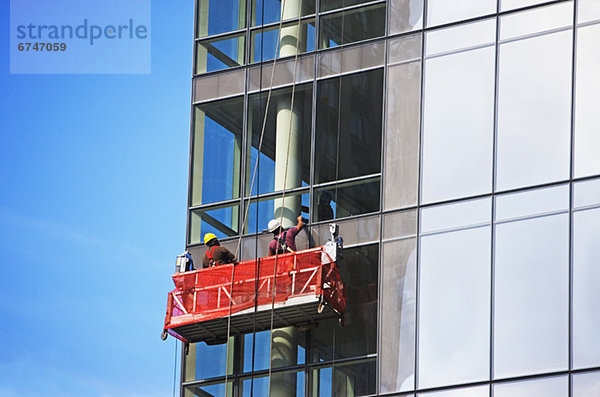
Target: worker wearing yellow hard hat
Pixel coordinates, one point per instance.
(215, 254)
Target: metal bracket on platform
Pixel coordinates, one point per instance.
(335, 246)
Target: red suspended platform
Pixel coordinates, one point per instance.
(299, 288)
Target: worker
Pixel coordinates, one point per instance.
(324, 210)
(215, 254)
(283, 240)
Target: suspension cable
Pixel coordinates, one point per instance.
(287, 157)
(246, 210)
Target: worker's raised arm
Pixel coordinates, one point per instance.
(300, 223)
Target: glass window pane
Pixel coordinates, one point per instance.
(458, 125)
(261, 213)
(543, 387)
(216, 152)
(442, 11)
(349, 146)
(213, 389)
(398, 301)
(587, 384)
(588, 10)
(400, 224)
(260, 76)
(343, 380)
(405, 48)
(454, 308)
(506, 5)
(586, 193)
(454, 216)
(328, 5)
(459, 37)
(405, 16)
(219, 85)
(401, 171)
(294, 39)
(222, 221)
(351, 59)
(344, 200)
(531, 327)
(532, 202)
(587, 117)
(351, 26)
(220, 53)
(586, 294)
(288, 380)
(216, 355)
(479, 391)
(534, 111)
(269, 11)
(220, 16)
(537, 20)
(358, 337)
(280, 148)
(355, 231)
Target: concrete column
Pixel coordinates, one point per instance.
(288, 151)
(288, 154)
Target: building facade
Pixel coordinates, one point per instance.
(455, 143)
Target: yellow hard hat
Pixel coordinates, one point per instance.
(208, 237)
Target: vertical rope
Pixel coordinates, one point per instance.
(252, 183)
(287, 157)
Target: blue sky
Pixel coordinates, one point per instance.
(93, 170)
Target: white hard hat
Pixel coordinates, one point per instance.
(274, 224)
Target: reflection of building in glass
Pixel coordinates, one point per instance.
(455, 142)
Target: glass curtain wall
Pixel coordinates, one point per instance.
(455, 144)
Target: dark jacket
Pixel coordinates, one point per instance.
(220, 255)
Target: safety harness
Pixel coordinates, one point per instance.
(209, 254)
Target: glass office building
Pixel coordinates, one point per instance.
(457, 145)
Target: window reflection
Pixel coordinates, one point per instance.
(217, 151)
(351, 26)
(220, 16)
(281, 148)
(358, 270)
(348, 379)
(586, 295)
(347, 199)
(458, 125)
(221, 221)
(442, 11)
(405, 16)
(586, 384)
(261, 212)
(349, 146)
(398, 300)
(294, 39)
(269, 11)
(531, 327)
(454, 314)
(534, 110)
(587, 117)
(401, 170)
(220, 53)
(480, 391)
(543, 387)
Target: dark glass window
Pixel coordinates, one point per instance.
(347, 199)
(351, 26)
(328, 5)
(348, 136)
(274, 150)
(329, 341)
